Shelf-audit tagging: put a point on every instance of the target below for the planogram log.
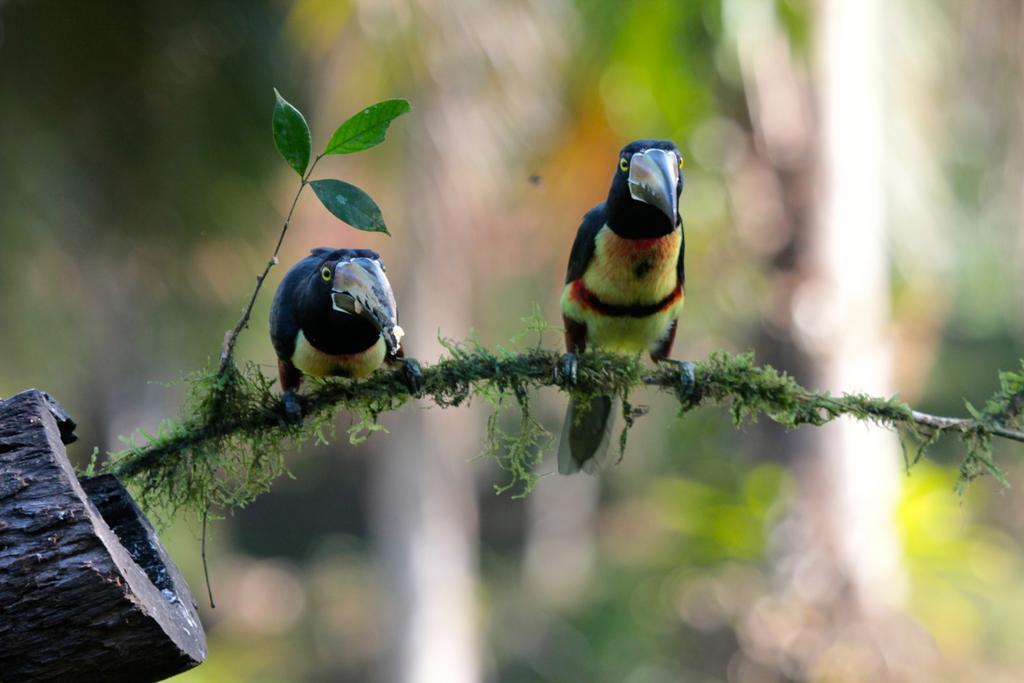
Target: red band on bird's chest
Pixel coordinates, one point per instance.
(587, 299)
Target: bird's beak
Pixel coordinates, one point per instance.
(361, 288)
(653, 179)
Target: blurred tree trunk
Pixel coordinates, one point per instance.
(425, 501)
(842, 313)
(560, 540)
(480, 101)
(818, 168)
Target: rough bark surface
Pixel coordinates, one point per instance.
(86, 591)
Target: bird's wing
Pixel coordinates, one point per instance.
(586, 240)
(284, 322)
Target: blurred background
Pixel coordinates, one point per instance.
(854, 208)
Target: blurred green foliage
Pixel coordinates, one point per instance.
(132, 225)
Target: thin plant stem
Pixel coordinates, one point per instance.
(231, 337)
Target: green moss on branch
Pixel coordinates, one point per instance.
(231, 441)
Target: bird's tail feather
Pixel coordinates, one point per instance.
(585, 435)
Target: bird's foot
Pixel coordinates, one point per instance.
(687, 388)
(292, 407)
(412, 376)
(565, 371)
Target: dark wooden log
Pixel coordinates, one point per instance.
(87, 593)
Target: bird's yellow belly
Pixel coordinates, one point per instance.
(629, 294)
(633, 271)
(314, 362)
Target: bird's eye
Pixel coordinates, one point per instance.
(680, 162)
(325, 273)
(623, 164)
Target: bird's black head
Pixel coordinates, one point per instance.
(320, 284)
(644, 197)
(349, 286)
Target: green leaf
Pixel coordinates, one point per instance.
(350, 204)
(367, 128)
(291, 134)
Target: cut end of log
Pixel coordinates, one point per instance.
(138, 537)
(87, 593)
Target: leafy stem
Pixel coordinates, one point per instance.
(231, 338)
(293, 140)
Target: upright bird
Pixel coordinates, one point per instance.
(334, 314)
(624, 286)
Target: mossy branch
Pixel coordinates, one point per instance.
(230, 444)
